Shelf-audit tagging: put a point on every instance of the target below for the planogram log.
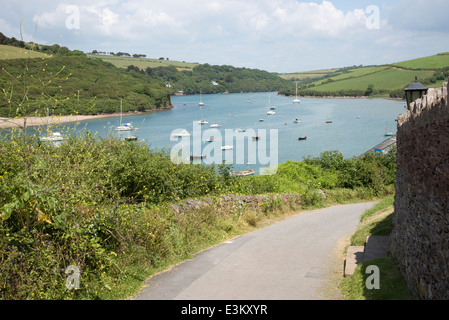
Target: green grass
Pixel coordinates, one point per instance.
(9, 52)
(109, 207)
(308, 74)
(356, 73)
(376, 221)
(433, 62)
(384, 79)
(74, 84)
(392, 284)
(143, 63)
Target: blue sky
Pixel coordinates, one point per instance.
(274, 35)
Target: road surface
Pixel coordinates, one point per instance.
(288, 260)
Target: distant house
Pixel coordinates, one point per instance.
(214, 83)
(168, 85)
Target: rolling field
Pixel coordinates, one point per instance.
(308, 74)
(388, 78)
(9, 52)
(143, 63)
(440, 60)
(385, 80)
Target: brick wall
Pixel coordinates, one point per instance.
(420, 237)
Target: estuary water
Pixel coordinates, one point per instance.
(357, 126)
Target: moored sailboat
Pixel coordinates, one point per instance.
(296, 100)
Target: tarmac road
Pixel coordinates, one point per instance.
(284, 261)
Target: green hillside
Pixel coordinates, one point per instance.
(69, 83)
(193, 78)
(438, 61)
(376, 81)
(143, 63)
(10, 52)
(298, 76)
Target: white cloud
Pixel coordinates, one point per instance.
(250, 19)
(5, 27)
(275, 35)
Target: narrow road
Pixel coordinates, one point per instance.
(285, 261)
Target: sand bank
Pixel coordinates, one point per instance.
(38, 121)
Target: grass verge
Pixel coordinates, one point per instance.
(392, 286)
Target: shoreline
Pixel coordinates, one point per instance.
(344, 97)
(6, 123)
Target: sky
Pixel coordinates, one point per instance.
(282, 36)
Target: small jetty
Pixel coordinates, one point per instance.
(384, 146)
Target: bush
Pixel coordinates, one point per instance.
(102, 204)
(372, 170)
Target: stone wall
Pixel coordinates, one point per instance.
(420, 237)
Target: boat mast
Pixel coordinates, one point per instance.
(120, 112)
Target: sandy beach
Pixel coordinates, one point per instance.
(38, 121)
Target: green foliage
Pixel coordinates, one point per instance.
(76, 203)
(392, 286)
(372, 170)
(226, 79)
(392, 283)
(74, 84)
(102, 204)
(369, 81)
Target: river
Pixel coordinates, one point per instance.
(356, 126)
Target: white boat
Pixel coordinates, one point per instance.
(126, 126)
(296, 100)
(388, 133)
(227, 148)
(269, 105)
(211, 139)
(297, 121)
(202, 121)
(201, 103)
(182, 133)
(215, 125)
(243, 173)
(271, 112)
(51, 136)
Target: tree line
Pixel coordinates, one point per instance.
(209, 79)
(120, 54)
(71, 83)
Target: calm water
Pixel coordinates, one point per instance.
(358, 125)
